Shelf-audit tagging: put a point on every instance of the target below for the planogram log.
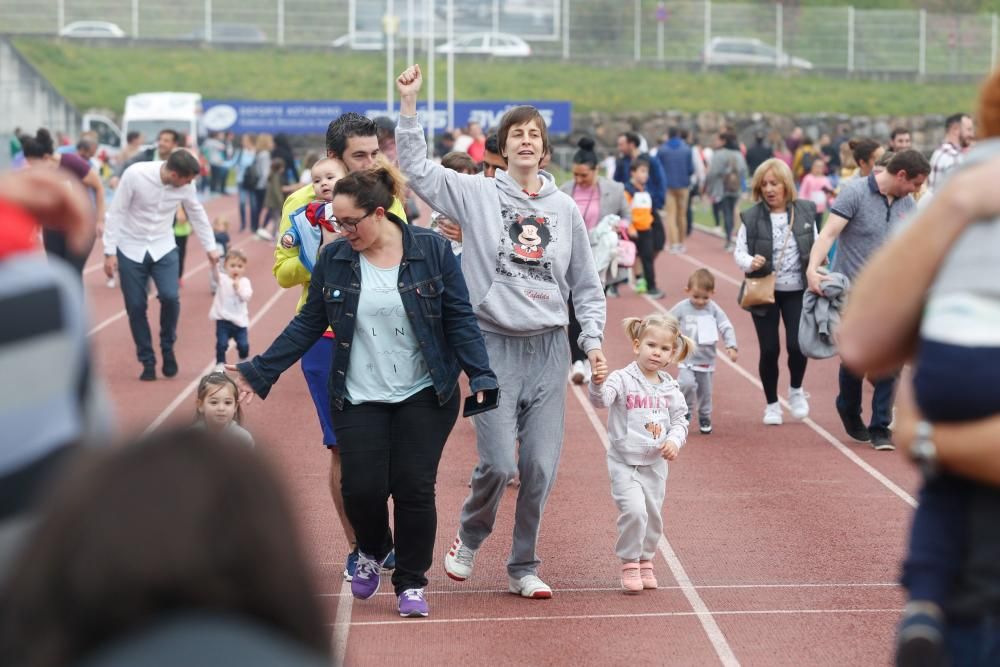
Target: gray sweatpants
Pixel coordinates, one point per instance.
(532, 375)
(639, 492)
(697, 389)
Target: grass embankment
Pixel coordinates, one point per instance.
(101, 77)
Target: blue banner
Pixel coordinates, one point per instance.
(242, 116)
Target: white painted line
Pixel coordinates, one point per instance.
(652, 614)
(121, 313)
(193, 385)
(822, 432)
(342, 624)
(486, 591)
(715, 636)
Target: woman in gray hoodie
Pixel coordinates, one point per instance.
(525, 250)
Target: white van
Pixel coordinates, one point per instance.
(149, 113)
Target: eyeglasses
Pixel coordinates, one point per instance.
(347, 225)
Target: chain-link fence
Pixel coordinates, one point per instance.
(834, 39)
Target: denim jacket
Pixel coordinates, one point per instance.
(433, 293)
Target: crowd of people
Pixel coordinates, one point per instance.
(512, 272)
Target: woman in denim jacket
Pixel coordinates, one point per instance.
(395, 297)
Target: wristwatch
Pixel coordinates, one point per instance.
(923, 451)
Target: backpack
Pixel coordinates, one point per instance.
(731, 179)
(250, 177)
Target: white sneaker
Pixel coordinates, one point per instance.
(458, 561)
(577, 373)
(219, 368)
(772, 414)
(529, 586)
(264, 235)
(797, 403)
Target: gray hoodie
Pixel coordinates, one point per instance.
(522, 255)
(703, 326)
(641, 415)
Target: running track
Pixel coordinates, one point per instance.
(782, 543)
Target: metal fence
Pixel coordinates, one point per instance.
(834, 39)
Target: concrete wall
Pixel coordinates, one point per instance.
(28, 101)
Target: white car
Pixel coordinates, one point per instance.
(97, 29)
(488, 44)
(364, 40)
(748, 51)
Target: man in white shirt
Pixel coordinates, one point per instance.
(139, 242)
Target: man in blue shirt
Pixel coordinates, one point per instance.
(678, 167)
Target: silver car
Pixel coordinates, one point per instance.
(749, 51)
(92, 29)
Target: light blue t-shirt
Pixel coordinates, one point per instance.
(387, 365)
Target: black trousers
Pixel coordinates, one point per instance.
(645, 248)
(393, 449)
(787, 307)
(574, 330)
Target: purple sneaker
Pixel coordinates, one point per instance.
(412, 603)
(366, 577)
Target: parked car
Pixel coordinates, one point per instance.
(748, 51)
(231, 33)
(364, 40)
(489, 44)
(92, 29)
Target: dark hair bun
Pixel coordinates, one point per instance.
(43, 136)
(586, 144)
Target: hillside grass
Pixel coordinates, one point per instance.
(102, 76)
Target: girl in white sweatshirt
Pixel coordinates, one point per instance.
(646, 428)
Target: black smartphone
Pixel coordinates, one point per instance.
(491, 399)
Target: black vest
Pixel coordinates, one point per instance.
(760, 237)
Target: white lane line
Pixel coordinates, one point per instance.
(193, 385)
(822, 432)
(486, 591)
(342, 624)
(631, 615)
(715, 636)
(121, 313)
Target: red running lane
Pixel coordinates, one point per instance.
(791, 546)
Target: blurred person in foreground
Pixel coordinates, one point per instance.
(941, 316)
(44, 346)
(124, 570)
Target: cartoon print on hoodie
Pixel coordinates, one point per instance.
(522, 251)
(529, 236)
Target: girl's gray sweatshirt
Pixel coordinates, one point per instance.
(641, 415)
(523, 255)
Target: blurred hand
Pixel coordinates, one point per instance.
(246, 391)
(669, 450)
(450, 230)
(598, 366)
(732, 353)
(757, 263)
(53, 200)
(110, 265)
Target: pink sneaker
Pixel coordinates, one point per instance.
(631, 581)
(646, 574)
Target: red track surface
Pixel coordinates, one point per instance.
(785, 542)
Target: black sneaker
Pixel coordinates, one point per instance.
(855, 428)
(148, 373)
(920, 642)
(705, 425)
(169, 364)
(882, 440)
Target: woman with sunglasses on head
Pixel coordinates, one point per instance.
(395, 295)
(525, 249)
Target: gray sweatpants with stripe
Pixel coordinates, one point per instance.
(532, 375)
